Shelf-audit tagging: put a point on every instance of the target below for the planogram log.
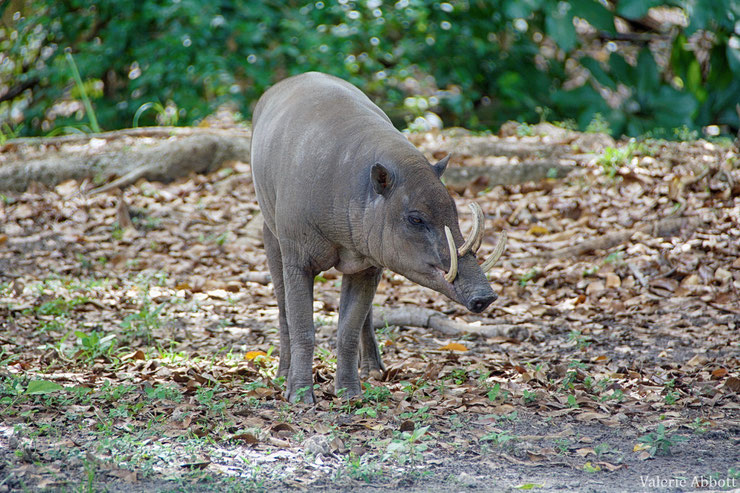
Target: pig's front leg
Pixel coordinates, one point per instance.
(299, 306)
(354, 307)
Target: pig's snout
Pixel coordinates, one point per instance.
(480, 301)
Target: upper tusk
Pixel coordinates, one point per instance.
(491, 260)
(452, 273)
(475, 237)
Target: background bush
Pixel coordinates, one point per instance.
(634, 66)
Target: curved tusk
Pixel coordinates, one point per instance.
(452, 273)
(476, 234)
(491, 260)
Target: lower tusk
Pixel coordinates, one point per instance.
(493, 258)
(476, 234)
(452, 273)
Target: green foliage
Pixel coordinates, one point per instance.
(659, 442)
(36, 387)
(475, 64)
(94, 345)
(499, 438)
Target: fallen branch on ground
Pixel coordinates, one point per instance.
(663, 228)
(192, 151)
(415, 316)
(506, 174)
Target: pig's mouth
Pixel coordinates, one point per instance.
(476, 302)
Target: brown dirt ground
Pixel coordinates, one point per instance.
(142, 358)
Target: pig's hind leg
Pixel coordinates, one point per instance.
(275, 263)
(354, 312)
(371, 365)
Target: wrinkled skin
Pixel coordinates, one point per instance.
(340, 187)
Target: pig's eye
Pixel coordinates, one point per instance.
(415, 220)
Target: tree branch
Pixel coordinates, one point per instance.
(16, 91)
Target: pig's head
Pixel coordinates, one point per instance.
(419, 236)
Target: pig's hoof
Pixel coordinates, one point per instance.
(349, 391)
(374, 374)
(372, 371)
(301, 394)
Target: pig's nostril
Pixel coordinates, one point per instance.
(480, 303)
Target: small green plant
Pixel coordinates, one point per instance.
(408, 448)
(221, 239)
(614, 158)
(166, 115)
(572, 402)
(60, 306)
(602, 449)
(616, 395)
(369, 411)
(494, 392)
(6, 133)
(562, 445)
(459, 376)
(616, 258)
(580, 340)
(412, 388)
(569, 380)
(531, 274)
(206, 396)
(167, 393)
(372, 398)
(598, 125)
(684, 133)
(590, 271)
(94, 345)
(90, 473)
(375, 394)
(588, 382)
(301, 393)
(420, 415)
(500, 438)
(141, 323)
(83, 93)
(529, 397)
(659, 442)
(524, 130)
(700, 425)
(362, 468)
(671, 397)
(116, 232)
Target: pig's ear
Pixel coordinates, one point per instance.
(439, 168)
(381, 178)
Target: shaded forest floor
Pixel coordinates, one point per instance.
(138, 340)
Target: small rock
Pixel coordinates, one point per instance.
(465, 479)
(622, 418)
(692, 280)
(595, 287)
(317, 445)
(722, 275)
(593, 142)
(613, 281)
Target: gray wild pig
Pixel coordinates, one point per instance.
(340, 187)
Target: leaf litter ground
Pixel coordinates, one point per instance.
(139, 341)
